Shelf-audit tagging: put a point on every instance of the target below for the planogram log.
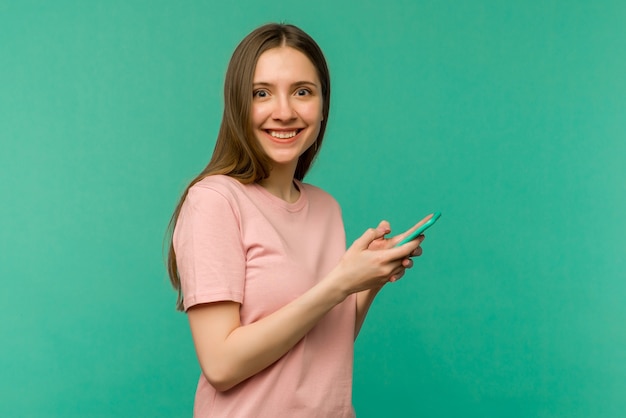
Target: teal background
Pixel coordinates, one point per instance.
(509, 117)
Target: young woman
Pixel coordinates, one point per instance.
(258, 257)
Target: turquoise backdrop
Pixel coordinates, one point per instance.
(509, 117)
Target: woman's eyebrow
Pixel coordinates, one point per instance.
(297, 83)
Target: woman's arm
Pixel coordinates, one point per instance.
(229, 353)
(364, 300)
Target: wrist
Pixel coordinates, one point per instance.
(335, 287)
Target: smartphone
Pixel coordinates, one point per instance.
(421, 229)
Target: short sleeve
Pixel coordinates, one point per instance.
(208, 246)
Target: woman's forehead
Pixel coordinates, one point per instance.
(283, 63)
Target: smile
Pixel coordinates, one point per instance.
(284, 134)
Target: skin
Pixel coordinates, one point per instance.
(287, 99)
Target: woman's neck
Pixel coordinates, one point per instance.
(281, 184)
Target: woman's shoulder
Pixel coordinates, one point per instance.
(316, 193)
(216, 186)
(219, 183)
(216, 180)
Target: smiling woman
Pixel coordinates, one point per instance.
(286, 112)
(274, 316)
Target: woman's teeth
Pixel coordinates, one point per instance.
(283, 135)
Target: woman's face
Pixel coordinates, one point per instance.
(286, 104)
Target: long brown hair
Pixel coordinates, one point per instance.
(237, 152)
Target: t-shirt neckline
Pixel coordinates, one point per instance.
(277, 201)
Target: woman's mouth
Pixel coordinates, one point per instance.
(283, 135)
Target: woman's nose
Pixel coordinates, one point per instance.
(283, 109)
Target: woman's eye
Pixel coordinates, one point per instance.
(303, 92)
(259, 93)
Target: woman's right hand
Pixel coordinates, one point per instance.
(363, 268)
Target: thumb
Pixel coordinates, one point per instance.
(384, 225)
(368, 236)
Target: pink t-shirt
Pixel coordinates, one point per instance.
(240, 243)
